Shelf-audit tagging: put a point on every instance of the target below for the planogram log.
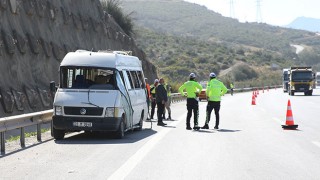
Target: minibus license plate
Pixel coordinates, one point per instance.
(82, 124)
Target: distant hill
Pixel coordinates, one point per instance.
(181, 37)
(305, 23)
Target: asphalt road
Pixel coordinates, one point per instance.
(250, 144)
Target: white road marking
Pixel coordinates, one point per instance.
(316, 143)
(278, 120)
(132, 162)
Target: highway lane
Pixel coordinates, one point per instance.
(249, 145)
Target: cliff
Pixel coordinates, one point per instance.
(35, 36)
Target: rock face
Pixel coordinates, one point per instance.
(35, 36)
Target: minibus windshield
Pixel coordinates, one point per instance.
(87, 78)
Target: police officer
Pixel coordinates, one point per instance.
(153, 98)
(215, 90)
(231, 88)
(193, 88)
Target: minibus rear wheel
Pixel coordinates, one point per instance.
(140, 122)
(120, 132)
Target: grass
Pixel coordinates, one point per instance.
(30, 134)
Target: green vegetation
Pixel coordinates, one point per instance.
(113, 8)
(180, 37)
(14, 138)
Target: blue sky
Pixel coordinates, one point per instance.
(274, 12)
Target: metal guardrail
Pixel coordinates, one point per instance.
(22, 121)
(38, 118)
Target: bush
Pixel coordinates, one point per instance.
(113, 8)
(244, 72)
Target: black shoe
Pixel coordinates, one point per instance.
(161, 124)
(206, 126)
(188, 128)
(196, 128)
(216, 127)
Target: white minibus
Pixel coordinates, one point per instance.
(99, 91)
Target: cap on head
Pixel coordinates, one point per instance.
(156, 81)
(212, 75)
(192, 75)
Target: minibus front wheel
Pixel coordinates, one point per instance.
(58, 134)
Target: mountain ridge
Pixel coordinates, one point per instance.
(305, 23)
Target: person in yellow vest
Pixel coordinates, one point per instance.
(193, 89)
(153, 96)
(168, 103)
(215, 90)
(231, 88)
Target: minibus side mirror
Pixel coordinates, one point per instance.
(53, 87)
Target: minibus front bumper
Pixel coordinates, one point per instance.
(86, 123)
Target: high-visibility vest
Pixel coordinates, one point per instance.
(215, 90)
(153, 90)
(192, 87)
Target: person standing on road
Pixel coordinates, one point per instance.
(153, 96)
(161, 99)
(148, 94)
(231, 88)
(193, 89)
(214, 91)
(168, 103)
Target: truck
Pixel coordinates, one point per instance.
(317, 79)
(301, 79)
(285, 79)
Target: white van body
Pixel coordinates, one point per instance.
(318, 79)
(99, 91)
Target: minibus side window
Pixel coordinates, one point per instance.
(135, 79)
(141, 78)
(128, 80)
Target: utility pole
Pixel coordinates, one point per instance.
(259, 16)
(232, 15)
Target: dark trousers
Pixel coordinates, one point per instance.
(192, 105)
(216, 106)
(160, 111)
(153, 107)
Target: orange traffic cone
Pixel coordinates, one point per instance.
(253, 102)
(289, 120)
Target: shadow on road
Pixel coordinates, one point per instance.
(24, 148)
(227, 130)
(106, 137)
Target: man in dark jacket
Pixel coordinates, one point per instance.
(161, 99)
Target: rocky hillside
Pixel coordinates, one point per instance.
(35, 36)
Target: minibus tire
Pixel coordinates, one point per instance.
(120, 132)
(58, 134)
(140, 122)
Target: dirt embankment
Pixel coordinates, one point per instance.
(35, 36)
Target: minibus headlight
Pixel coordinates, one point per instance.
(58, 110)
(111, 112)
